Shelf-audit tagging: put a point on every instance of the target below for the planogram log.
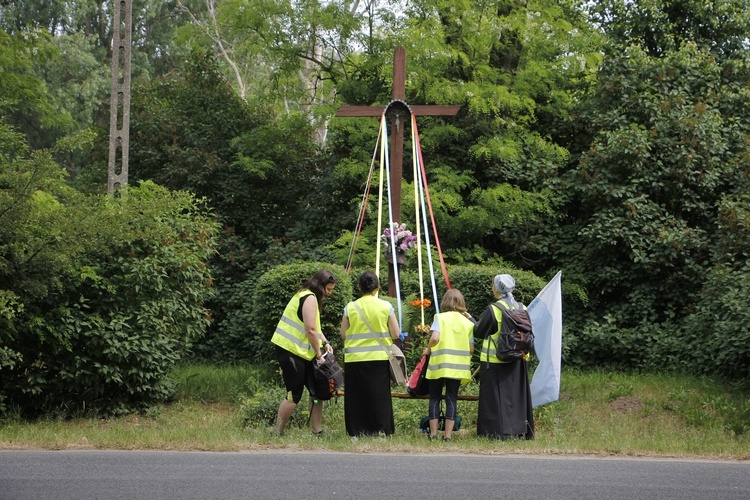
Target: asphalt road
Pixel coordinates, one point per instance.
(132, 475)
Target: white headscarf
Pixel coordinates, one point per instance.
(504, 283)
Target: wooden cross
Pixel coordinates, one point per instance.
(398, 111)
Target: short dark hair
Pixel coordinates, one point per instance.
(368, 282)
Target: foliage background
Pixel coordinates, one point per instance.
(587, 141)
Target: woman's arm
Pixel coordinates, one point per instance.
(469, 317)
(393, 327)
(434, 339)
(309, 318)
(344, 326)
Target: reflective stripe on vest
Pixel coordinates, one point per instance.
(290, 331)
(489, 346)
(451, 356)
(359, 342)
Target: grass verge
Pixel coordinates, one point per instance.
(231, 408)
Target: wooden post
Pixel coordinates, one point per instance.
(397, 141)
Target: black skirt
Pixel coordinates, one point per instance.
(505, 409)
(368, 410)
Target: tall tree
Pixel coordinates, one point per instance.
(661, 26)
(285, 54)
(667, 126)
(507, 64)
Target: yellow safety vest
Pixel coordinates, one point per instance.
(359, 342)
(290, 332)
(489, 346)
(451, 357)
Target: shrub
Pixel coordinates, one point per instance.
(270, 295)
(262, 407)
(130, 305)
(475, 284)
(716, 336)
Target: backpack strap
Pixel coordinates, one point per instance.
(502, 307)
(492, 343)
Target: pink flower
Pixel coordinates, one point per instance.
(404, 238)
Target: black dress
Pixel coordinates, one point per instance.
(505, 409)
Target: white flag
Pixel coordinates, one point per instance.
(545, 312)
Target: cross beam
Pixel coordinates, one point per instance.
(431, 110)
(397, 134)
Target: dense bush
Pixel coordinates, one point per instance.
(719, 338)
(475, 283)
(104, 331)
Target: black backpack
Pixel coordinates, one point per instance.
(516, 333)
(327, 377)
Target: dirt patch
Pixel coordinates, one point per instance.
(626, 403)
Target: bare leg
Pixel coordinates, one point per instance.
(316, 416)
(285, 413)
(433, 427)
(449, 428)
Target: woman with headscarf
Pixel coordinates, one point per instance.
(505, 409)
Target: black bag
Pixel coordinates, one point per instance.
(327, 377)
(424, 424)
(516, 333)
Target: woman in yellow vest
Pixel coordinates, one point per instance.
(299, 341)
(450, 348)
(368, 327)
(505, 409)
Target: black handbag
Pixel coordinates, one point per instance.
(327, 377)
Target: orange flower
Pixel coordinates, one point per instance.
(421, 303)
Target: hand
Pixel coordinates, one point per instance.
(426, 351)
(329, 347)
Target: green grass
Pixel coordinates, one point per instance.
(230, 408)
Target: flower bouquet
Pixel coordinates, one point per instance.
(404, 238)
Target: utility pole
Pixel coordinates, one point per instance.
(119, 102)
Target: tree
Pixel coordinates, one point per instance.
(719, 28)
(514, 69)
(192, 132)
(650, 194)
(667, 148)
